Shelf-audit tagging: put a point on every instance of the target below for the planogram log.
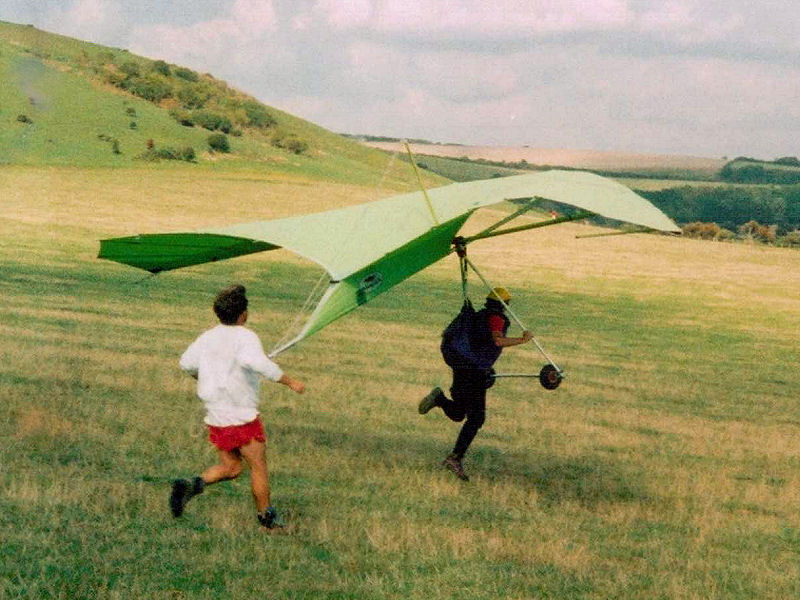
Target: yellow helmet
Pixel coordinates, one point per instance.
(499, 293)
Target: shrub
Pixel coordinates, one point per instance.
(168, 153)
(756, 231)
(130, 68)
(212, 121)
(24, 119)
(116, 78)
(187, 153)
(133, 125)
(193, 96)
(184, 117)
(148, 87)
(130, 111)
(186, 74)
(257, 115)
(704, 231)
(790, 240)
(289, 142)
(218, 142)
(161, 67)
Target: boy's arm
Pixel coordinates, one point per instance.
(256, 360)
(190, 360)
(295, 385)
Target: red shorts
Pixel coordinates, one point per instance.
(235, 436)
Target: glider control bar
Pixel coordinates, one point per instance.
(609, 234)
(512, 315)
(525, 208)
(492, 232)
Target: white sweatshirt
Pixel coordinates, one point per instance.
(228, 362)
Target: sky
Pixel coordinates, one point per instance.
(692, 77)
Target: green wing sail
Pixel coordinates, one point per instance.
(156, 252)
(368, 248)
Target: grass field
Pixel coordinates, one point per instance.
(665, 466)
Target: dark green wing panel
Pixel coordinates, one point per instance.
(165, 251)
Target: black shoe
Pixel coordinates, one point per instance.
(431, 400)
(269, 518)
(179, 496)
(184, 490)
(453, 463)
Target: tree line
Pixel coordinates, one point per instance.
(769, 214)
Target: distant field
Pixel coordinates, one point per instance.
(666, 465)
(585, 159)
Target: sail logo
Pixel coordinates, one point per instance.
(370, 283)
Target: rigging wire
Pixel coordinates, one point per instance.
(285, 341)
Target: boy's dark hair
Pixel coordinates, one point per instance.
(230, 303)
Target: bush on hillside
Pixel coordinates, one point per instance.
(704, 231)
(193, 96)
(289, 142)
(756, 231)
(184, 117)
(257, 115)
(162, 67)
(115, 78)
(168, 153)
(790, 240)
(149, 87)
(218, 142)
(130, 68)
(186, 74)
(25, 119)
(212, 121)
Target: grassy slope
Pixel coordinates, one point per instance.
(49, 79)
(666, 465)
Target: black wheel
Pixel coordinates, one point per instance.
(549, 377)
(490, 378)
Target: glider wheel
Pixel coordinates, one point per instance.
(490, 378)
(549, 377)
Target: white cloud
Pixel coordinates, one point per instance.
(224, 43)
(253, 17)
(343, 14)
(93, 20)
(468, 18)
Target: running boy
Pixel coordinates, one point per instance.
(228, 362)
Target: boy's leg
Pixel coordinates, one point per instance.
(254, 452)
(183, 490)
(228, 467)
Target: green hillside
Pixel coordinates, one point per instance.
(68, 102)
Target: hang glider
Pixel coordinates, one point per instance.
(369, 248)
